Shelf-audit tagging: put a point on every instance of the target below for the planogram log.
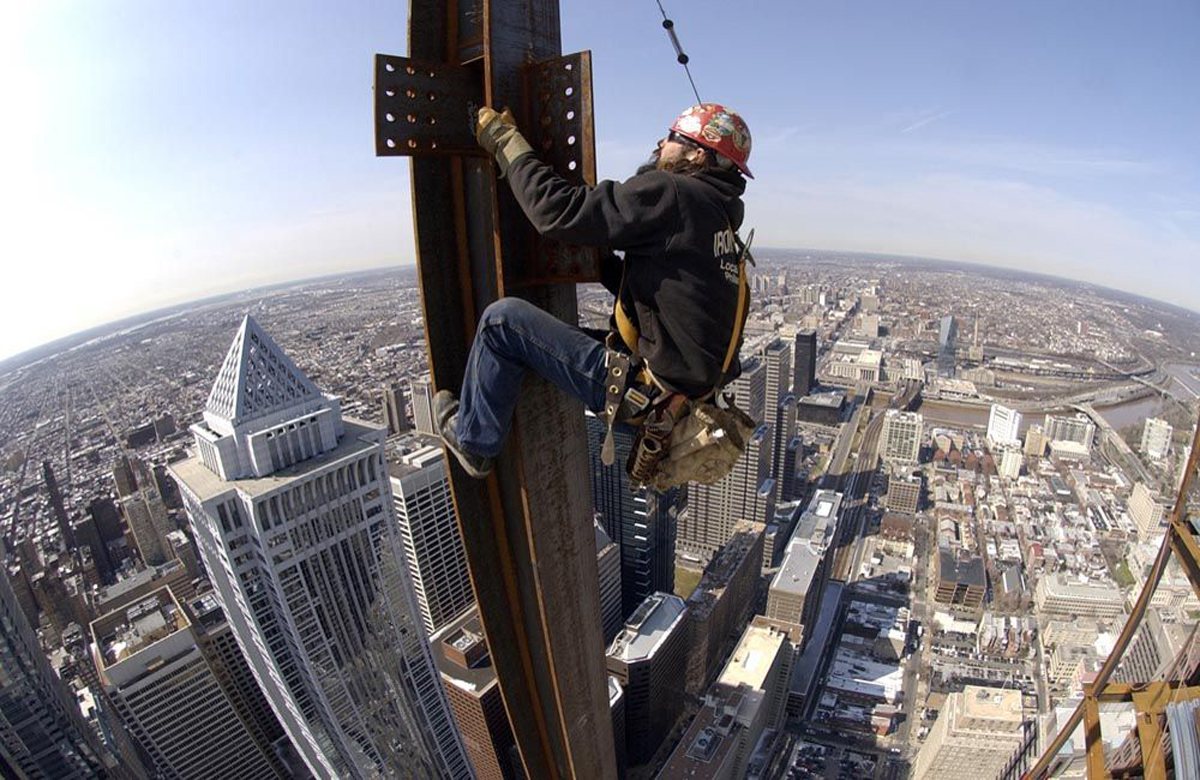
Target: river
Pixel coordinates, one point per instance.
(1186, 387)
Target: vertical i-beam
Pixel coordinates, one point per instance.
(527, 529)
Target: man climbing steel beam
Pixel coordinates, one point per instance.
(679, 305)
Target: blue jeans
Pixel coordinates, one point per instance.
(514, 335)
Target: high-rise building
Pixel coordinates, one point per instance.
(777, 359)
(1156, 438)
(616, 707)
(144, 581)
(789, 490)
(150, 666)
(292, 510)
(647, 657)
(977, 731)
(746, 493)
(777, 356)
(42, 730)
(1004, 426)
(1153, 648)
(182, 548)
(795, 590)
(56, 505)
(746, 700)
(1035, 441)
(123, 477)
(784, 429)
(804, 378)
(147, 520)
(87, 534)
(433, 546)
(721, 603)
(947, 335)
(220, 648)
(901, 437)
(608, 563)
(1078, 429)
(749, 390)
(393, 410)
(642, 523)
(1009, 463)
(421, 391)
(904, 491)
(1147, 510)
(461, 653)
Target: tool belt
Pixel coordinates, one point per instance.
(679, 439)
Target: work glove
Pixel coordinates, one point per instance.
(497, 133)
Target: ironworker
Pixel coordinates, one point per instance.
(677, 285)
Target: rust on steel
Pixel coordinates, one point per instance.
(1181, 538)
(1150, 700)
(527, 529)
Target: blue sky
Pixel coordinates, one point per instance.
(157, 152)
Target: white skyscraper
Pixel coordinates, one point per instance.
(422, 406)
(1156, 438)
(1077, 428)
(901, 437)
(1004, 426)
(292, 511)
(429, 533)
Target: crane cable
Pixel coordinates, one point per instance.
(680, 57)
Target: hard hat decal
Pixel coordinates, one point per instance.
(717, 128)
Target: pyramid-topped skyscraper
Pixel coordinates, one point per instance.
(292, 512)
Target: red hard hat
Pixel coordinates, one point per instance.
(717, 128)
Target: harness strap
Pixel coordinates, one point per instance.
(614, 393)
(743, 308)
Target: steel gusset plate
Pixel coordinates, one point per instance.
(562, 134)
(424, 108)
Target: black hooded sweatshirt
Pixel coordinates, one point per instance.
(680, 267)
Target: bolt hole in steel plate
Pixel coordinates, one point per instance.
(560, 120)
(424, 107)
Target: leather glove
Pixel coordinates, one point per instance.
(497, 133)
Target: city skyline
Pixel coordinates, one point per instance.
(1017, 560)
(1030, 138)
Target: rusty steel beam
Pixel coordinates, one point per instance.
(1092, 736)
(1179, 534)
(527, 529)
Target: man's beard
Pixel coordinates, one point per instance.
(655, 162)
(651, 163)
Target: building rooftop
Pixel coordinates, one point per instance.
(830, 399)
(704, 748)
(646, 629)
(992, 703)
(419, 454)
(1057, 584)
(461, 655)
(753, 657)
(967, 571)
(201, 481)
(798, 569)
(135, 627)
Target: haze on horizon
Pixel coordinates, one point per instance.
(157, 154)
